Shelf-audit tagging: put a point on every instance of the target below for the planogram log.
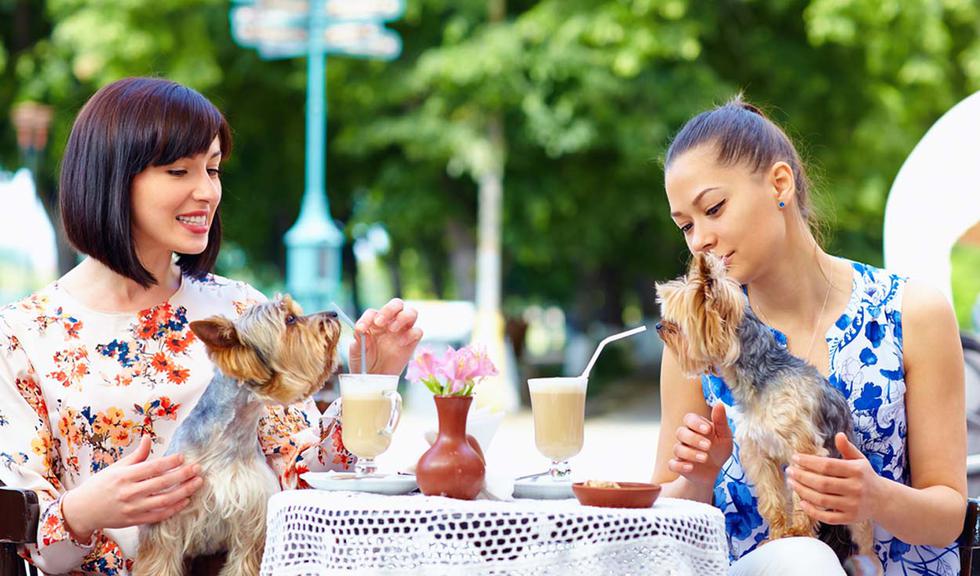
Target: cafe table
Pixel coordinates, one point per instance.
(321, 532)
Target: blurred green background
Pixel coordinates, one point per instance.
(587, 92)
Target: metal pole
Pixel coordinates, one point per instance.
(315, 201)
(314, 241)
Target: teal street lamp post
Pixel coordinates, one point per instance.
(294, 28)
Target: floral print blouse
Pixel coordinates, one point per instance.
(78, 388)
(866, 366)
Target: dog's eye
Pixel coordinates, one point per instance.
(290, 319)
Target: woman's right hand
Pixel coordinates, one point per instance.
(702, 446)
(130, 492)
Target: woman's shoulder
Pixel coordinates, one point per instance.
(875, 292)
(916, 306)
(25, 310)
(919, 298)
(213, 287)
(871, 274)
(924, 305)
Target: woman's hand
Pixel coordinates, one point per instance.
(836, 490)
(390, 338)
(130, 492)
(702, 447)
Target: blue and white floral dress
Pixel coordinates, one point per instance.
(866, 366)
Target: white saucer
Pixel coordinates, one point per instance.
(390, 484)
(543, 488)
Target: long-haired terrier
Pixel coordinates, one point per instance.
(786, 405)
(271, 355)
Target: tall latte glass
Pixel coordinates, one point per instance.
(370, 410)
(558, 406)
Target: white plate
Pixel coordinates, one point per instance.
(378, 484)
(543, 488)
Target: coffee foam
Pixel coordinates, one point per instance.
(367, 384)
(565, 384)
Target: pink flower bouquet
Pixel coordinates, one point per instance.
(454, 373)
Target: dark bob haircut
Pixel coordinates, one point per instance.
(124, 128)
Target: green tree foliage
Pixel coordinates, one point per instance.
(588, 92)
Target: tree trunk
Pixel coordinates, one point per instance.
(437, 273)
(46, 189)
(22, 26)
(395, 269)
(585, 303)
(491, 194)
(462, 260)
(611, 280)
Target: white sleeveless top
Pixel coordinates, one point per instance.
(866, 366)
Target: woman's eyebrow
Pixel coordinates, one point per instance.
(696, 199)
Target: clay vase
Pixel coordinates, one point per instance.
(452, 467)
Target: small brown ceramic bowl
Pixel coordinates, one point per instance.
(628, 495)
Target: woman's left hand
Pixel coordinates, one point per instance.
(390, 338)
(836, 490)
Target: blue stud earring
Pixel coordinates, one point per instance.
(782, 204)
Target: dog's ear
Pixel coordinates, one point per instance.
(667, 294)
(666, 289)
(291, 305)
(217, 332)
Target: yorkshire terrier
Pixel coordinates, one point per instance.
(271, 355)
(786, 405)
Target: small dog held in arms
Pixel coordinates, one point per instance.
(271, 355)
(786, 405)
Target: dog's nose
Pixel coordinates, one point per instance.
(659, 326)
(330, 314)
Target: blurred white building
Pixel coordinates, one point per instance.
(28, 253)
(935, 198)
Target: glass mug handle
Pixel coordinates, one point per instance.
(396, 412)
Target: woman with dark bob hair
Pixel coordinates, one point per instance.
(99, 368)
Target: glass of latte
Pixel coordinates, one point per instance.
(370, 410)
(558, 408)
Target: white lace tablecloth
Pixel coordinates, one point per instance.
(319, 532)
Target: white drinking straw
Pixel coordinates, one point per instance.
(346, 319)
(607, 340)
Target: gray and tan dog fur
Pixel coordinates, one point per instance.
(786, 405)
(271, 355)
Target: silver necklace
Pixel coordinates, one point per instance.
(816, 322)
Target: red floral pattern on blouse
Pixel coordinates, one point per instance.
(78, 388)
